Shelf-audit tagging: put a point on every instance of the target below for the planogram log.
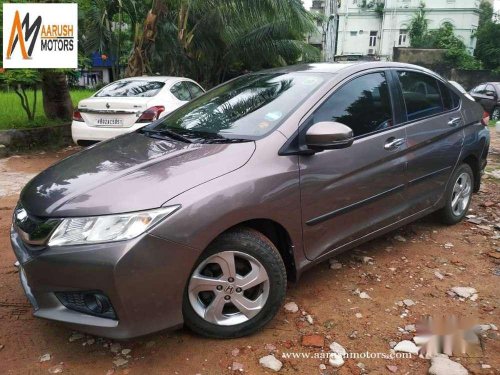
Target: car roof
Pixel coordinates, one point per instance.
(342, 66)
(154, 78)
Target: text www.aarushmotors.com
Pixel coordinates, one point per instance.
(350, 355)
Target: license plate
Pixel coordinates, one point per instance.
(109, 122)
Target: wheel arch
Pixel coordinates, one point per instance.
(278, 235)
(473, 162)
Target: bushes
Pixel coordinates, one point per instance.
(443, 38)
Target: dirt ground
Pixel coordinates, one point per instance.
(465, 255)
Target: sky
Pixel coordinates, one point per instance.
(308, 3)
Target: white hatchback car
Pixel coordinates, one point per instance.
(128, 104)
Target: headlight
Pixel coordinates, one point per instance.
(107, 228)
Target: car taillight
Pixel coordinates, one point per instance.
(77, 116)
(151, 114)
(486, 118)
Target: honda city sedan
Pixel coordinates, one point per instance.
(202, 217)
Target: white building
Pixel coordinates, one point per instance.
(371, 28)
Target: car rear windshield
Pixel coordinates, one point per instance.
(138, 88)
(248, 107)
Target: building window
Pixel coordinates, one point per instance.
(373, 38)
(354, 33)
(403, 34)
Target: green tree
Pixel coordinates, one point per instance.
(443, 38)
(109, 27)
(488, 38)
(485, 13)
(488, 45)
(456, 51)
(22, 80)
(209, 40)
(57, 104)
(418, 28)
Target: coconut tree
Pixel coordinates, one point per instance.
(207, 39)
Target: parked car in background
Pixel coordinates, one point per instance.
(462, 90)
(128, 104)
(488, 95)
(202, 217)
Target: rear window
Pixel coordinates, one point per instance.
(450, 99)
(194, 89)
(135, 88)
(181, 92)
(421, 95)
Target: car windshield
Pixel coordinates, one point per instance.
(133, 88)
(248, 107)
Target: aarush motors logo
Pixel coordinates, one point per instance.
(34, 37)
(18, 36)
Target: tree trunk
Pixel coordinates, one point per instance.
(138, 63)
(57, 102)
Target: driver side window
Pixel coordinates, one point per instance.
(363, 104)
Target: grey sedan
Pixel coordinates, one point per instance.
(202, 217)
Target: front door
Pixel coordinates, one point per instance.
(348, 193)
(434, 132)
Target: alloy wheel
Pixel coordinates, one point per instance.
(496, 114)
(228, 288)
(461, 194)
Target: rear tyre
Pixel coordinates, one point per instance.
(495, 114)
(458, 195)
(236, 287)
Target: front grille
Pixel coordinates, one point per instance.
(34, 231)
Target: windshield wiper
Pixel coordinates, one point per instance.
(228, 140)
(167, 132)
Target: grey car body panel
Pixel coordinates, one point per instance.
(141, 172)
(143, 293)
(349, 192)
(327, 202)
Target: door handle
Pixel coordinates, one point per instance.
(394, 143)
(454, 121)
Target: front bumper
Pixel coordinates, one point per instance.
(144, 278)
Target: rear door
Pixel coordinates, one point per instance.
(348, 193)
(433, 123)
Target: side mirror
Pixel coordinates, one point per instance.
(329, 135)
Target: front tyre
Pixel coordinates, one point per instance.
(237, 286)
(458, 195)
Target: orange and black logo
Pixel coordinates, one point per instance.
(18, 36)
(39, 35)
